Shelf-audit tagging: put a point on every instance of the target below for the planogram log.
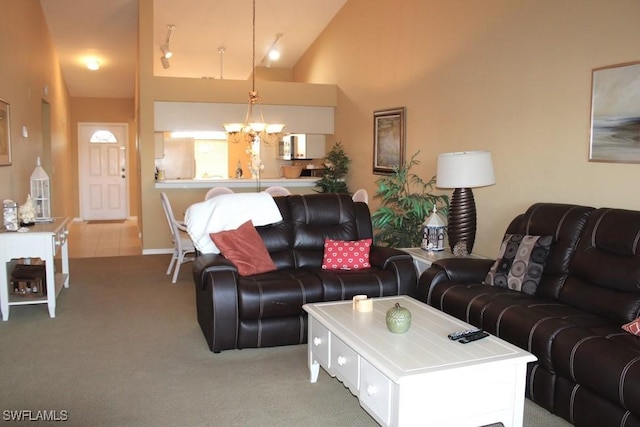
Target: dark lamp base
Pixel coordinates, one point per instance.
(462, 219)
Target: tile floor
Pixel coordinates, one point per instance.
(104, 239)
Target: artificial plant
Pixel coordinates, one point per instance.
(405, 201)
(336, 168)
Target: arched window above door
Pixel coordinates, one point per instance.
(103, 137)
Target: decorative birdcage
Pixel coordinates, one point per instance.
(433, 232)
(40, 193)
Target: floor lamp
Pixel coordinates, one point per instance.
(463, 171)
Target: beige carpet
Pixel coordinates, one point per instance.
(125, 349)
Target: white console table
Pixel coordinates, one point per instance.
(43, 241)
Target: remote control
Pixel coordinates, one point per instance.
(457, 335)
(470, 338)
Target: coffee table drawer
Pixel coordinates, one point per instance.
(319, 343)
(376, 392)
(345, 364)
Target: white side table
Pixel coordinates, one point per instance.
(43, 241)
(423, 259)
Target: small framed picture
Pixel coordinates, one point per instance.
(388, 140)
(615, 114)
(5, 134)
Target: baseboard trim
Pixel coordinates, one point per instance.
(157, 251)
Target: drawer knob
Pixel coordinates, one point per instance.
(342, 360)
(317, 341)
(371, 389)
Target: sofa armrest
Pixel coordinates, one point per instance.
(209, 263)
(471, 270)
(216, 286)
(401, 263)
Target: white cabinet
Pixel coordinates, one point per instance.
(43, 241)
(316, 146)
(158, 145)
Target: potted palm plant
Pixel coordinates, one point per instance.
(405, 201)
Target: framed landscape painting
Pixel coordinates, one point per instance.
(615, 114)
(5, 134)
(388, 140)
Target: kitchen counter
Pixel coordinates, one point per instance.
(248, 183)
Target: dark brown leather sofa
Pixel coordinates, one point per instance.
(265, 310)
(588, 368)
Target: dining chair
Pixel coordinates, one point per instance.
(216, 191)
(182, 244)
(277, 191)
(361, 195)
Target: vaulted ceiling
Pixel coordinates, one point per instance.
(107, 30)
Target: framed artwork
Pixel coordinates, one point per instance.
(5, 134)
(615, 114)
(388, 140)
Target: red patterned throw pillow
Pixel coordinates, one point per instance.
(633, 327)
(346, 255)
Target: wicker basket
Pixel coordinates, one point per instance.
(291, 171)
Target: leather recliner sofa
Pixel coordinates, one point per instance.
(588, 368)
(265, 310)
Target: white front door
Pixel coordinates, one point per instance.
(102, 157)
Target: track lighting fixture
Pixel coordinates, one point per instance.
(166, 49)
(273, 54)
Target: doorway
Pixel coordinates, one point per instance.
(102, 175)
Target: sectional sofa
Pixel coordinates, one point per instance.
(588, 287)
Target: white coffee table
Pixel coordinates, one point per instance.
(420, 377)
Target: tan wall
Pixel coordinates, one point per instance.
(105, 110)
(29, 64)
(510, 77)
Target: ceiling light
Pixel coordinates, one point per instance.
(249, 131)
(93, 64)
(273, 54)
(166, 50)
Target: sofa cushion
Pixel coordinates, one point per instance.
(346, 255)
(277, 294)
(327, 215)
(577, 352)
(245, 249)
(520, 262)
(565, 223)
(345, 284)
(605, 270)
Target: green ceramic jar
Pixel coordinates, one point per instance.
(398, 319)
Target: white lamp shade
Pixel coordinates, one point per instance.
(465, 169)
(274, 128)
(233, 127)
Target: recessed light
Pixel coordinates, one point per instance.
(93, 64)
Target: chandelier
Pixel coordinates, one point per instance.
(249, 131)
